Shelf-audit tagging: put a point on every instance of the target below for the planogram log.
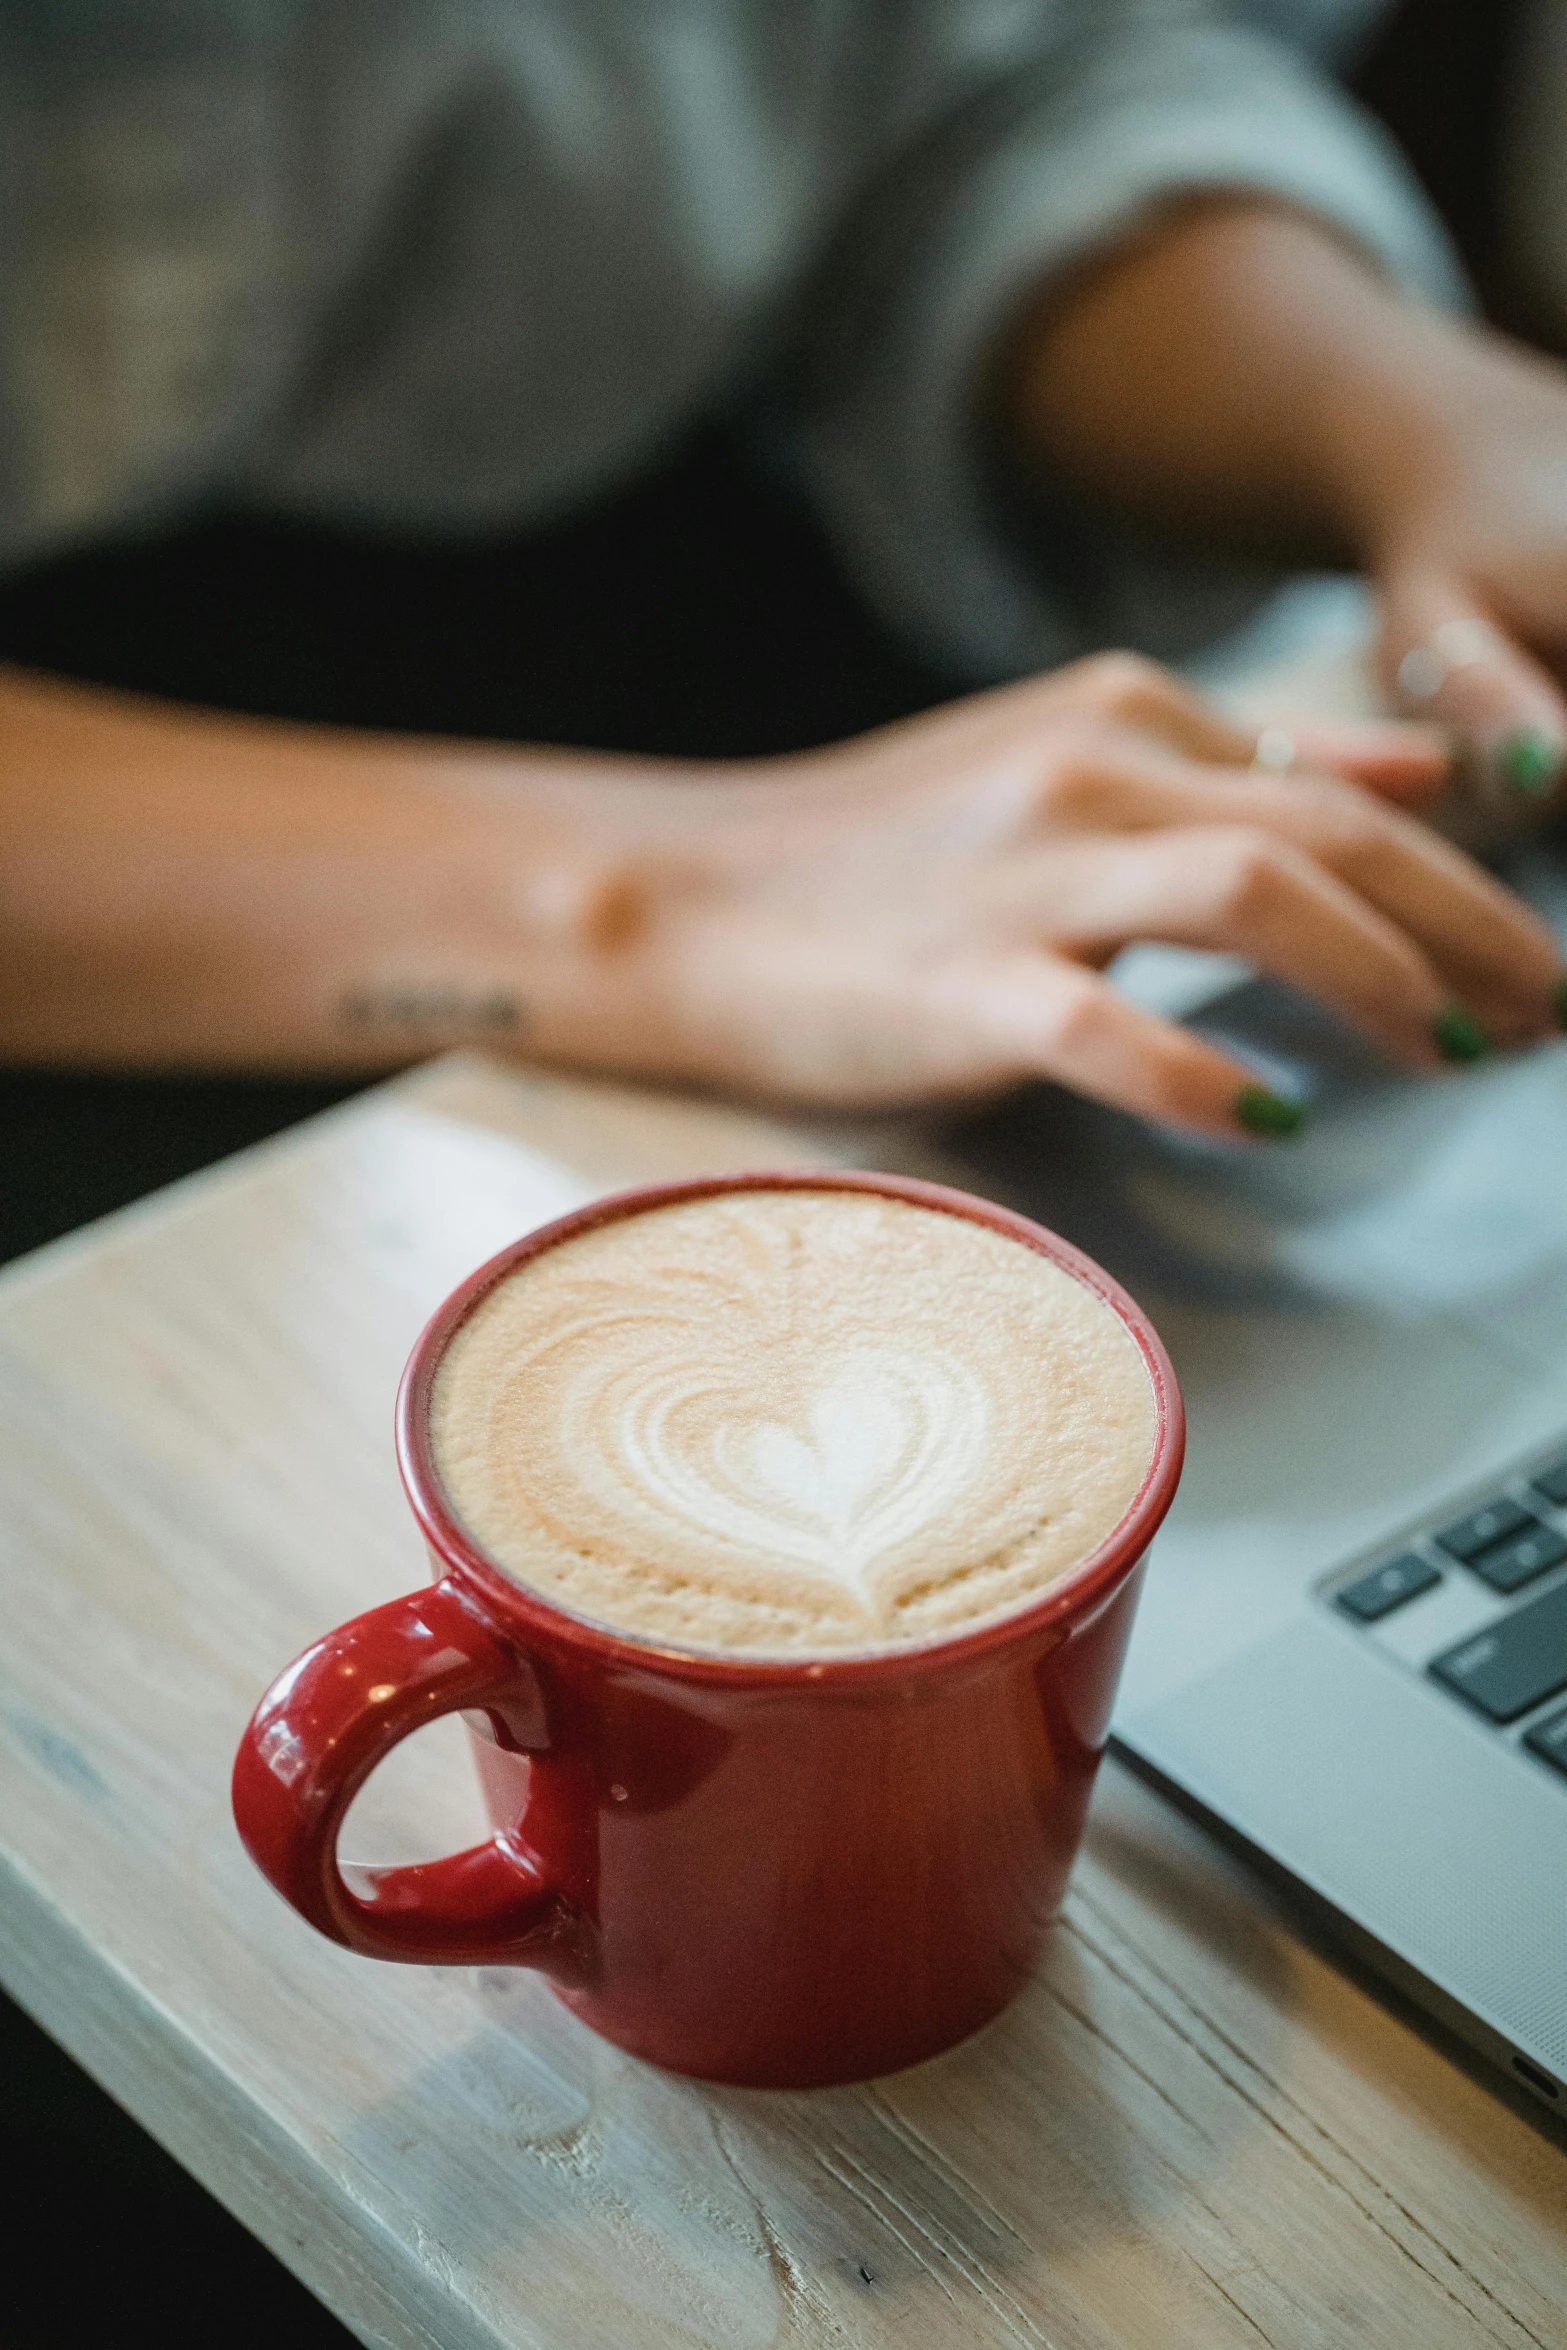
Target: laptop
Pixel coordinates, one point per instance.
(1351, 1653)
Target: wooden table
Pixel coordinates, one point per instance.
(1193, 2130)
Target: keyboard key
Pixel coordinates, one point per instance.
(1513, 1564)
(1481, 1528)
(1515, 1663)
(1548, 1739)
(1552, 1482)
(1386, 1588)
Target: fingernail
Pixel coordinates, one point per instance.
(1561, 1000)
(1530, 763)
(1262, 1112)
(1458, 1035)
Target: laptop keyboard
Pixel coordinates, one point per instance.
(1514, 1665)
(1518, 1661)
(1376, 1595)
(1473, 1536)
(1548, 1739)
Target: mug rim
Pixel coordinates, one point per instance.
(1071, 1598)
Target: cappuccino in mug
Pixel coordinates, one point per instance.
(791, 1422)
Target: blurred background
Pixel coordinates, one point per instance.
(700, 612)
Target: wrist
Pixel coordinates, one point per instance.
(1399, 432)
(516, 920)
(189, 890)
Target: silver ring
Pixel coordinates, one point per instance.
(1275, 753)
(1457, 644)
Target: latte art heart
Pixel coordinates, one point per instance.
(883, 1446)
(791, 1421)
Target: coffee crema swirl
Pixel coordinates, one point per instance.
(792, 1422)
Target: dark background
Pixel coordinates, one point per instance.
(699, 613)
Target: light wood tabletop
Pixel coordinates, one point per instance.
(1194, 2128)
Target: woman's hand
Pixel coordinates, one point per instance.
(919, 913)
(1242, 376)
(1468, 540)
(927, 911)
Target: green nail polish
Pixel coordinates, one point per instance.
(1530, 763)
(1459, 1036)
(1262, 1112)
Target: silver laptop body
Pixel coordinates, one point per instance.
(1352, 1650)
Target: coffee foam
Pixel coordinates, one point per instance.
(791, 1422)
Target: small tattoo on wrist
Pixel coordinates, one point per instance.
(412, 1008)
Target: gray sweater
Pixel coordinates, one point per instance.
(446, 265)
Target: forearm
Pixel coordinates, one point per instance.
(184, 890)
(1243, 376)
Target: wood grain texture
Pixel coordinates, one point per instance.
(1191, 2130)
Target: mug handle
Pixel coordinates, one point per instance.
(320, 1731)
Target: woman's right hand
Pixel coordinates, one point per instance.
(926, 912)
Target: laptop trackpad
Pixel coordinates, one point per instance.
(1385, 1798)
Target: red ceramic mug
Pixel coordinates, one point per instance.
(753, 1869)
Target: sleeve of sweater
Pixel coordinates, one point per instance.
(1060, 146)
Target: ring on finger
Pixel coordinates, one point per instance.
(1456, 644)
(1276, 751)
